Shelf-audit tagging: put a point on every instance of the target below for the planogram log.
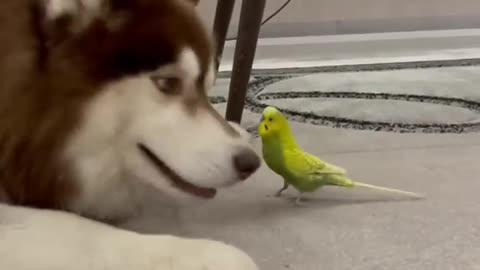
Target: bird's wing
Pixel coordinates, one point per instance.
(307, 164)
(333, 169)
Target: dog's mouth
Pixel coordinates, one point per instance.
(174, 177)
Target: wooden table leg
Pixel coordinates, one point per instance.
(248, 31)
(223, 16)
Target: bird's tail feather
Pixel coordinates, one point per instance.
(391, 190)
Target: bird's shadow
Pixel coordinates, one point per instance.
(329, 201)
(246, 210)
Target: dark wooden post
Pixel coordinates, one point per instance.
(223, 16)
(248, 31)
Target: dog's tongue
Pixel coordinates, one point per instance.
(207, 193)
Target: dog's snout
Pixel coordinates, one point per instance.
(246, 162)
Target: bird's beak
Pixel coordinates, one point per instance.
(261, 119)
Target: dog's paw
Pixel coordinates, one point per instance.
(198, 254)
(214, 255)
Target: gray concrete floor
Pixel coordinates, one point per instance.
(361, 49)
(342, 229)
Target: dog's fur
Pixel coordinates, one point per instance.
(101, 100)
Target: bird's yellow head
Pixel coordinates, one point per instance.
(273, 122)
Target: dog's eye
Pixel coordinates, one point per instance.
(168, 85)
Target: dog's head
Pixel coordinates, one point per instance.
(149, 65)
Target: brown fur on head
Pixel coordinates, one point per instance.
(52, 62)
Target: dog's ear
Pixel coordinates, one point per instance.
(77, 13)
(56, 20)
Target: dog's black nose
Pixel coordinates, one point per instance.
(246, 162)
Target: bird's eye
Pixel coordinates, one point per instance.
(270, 119)
(168, 85)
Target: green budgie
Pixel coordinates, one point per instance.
(302, 170)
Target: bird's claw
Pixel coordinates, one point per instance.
(276, 195)
(299, 203)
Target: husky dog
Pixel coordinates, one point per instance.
(100, 101)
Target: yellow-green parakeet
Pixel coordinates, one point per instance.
(302, 170)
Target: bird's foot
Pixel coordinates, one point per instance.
(276, 195)
(298, 202)
(279, 192)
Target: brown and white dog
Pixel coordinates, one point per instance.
(101, 100)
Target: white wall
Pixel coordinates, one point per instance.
(312, 17)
